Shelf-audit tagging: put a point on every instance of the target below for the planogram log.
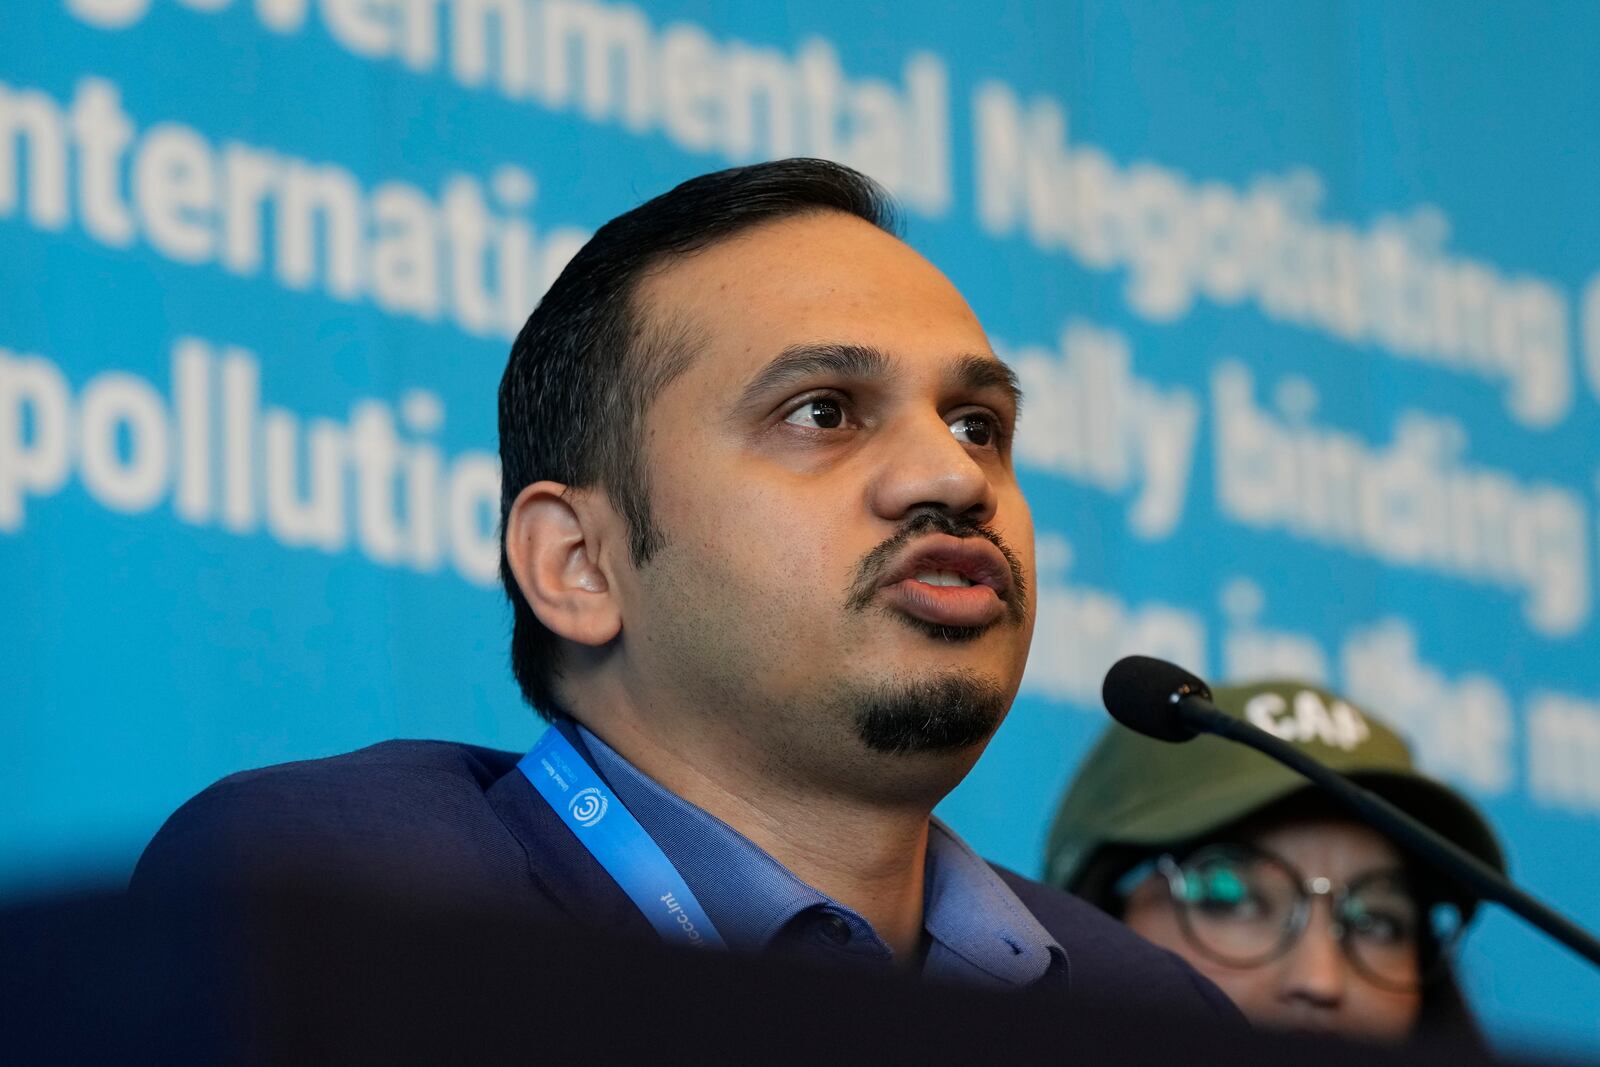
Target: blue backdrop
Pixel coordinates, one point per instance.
(1305, 298)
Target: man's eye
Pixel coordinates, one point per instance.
(823, 413)
(975, 429)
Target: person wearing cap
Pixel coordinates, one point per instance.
(1306, 917)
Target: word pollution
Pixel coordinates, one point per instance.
(374, 481)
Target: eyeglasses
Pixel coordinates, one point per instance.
(1244, 906)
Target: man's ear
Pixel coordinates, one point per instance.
(555, 560)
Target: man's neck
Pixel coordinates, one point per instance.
(870, 857)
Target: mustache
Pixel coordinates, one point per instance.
(870, 571)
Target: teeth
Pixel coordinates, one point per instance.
(941, 578)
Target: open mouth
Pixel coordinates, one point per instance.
(948, 579)
(959, 582)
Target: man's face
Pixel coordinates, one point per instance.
(848, 560)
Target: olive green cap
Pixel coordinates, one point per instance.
(1133, 790)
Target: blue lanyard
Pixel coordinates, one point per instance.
(597, 817)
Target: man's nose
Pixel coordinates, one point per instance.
(924, 464)
(1315, 970)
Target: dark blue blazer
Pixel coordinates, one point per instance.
(433, 822)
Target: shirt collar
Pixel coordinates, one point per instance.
(973, 915)
(749, 895)
(978, 928)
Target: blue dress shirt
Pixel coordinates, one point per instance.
(978, 932)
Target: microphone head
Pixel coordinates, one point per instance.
(1142, 693)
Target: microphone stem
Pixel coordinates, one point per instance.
(1406, 831)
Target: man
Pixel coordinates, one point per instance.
(771, 574)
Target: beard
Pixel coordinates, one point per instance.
(942, 714)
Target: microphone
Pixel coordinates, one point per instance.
(1162, 700)
(1144, 694)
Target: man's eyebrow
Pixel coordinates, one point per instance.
(800, 362)
(988, 372)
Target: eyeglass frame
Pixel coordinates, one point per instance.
(1430, 966)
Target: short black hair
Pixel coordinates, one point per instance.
(587, 361)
